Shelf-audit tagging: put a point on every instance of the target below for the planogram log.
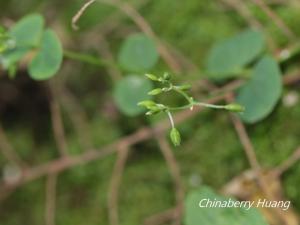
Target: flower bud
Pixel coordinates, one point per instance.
(167, 76)
(155, 91)
(184, 87)
(147, 103)
(234, 107)
(175, 137)
(151, 77)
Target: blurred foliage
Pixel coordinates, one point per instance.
(209, 140)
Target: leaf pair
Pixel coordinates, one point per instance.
(137, 54)
(29, 36)
(231, 57)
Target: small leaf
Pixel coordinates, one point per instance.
(262, 92)
(234, 107)
(47, 61)
(138, 53)
(196, 215)
(129, 92)
(28, 31)
(155, 91)
(229, 57)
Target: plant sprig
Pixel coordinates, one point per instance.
(168, 86)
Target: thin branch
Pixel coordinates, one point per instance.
(50, 199)
(251, 156)
(79, 14)
(288, 163)
(8, 151)
(65, 163)
(77, 115)
(175, 173)
(163, 217)
(114, 186)
(276, 19)
(57, 123)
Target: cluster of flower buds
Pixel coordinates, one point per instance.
(6, 42)
(154, 108)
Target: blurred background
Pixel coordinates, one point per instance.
(71, 155)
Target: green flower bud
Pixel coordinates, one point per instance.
(184, 87)
(234, 107)
(167, 76)
(155, 91)
(175, 137)
(151, 77)
(147, 103)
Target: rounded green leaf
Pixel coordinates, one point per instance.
(262, 92)
(48, 59)
(196, 215)
(28, 31)
(129, 92)
(229, 57)
(138, 53)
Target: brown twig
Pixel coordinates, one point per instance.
(163, 217)
(8, 151)
(276, 19)
(288, 163)
(57, 123)
(175, 172)
(251, 156)
(114, 186)
(142, 134)
(50, 199)
(79, 14)
(77, 115)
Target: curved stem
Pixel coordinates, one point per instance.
(170, 118)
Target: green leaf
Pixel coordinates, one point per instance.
(47, 61)
(195, 215)
(138, 53)
(129, 92)
(229, 57)
(262, 92)
(28, 31)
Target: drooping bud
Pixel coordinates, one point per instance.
(155, 91)
(151, 77)
(175, 137)
(234, 107)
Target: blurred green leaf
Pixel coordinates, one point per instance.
(195, 215)
(28, 31)
(138, 53)
(262, 92)
(47, 61)
(229, 57)
(129, 92)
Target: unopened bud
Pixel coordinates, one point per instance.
(184, 87)
(151, 77)
(147, 103)
(167, 76)
(155, 91)
(175, 137)
(234, 107)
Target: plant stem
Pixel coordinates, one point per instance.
(170, 118)
(86, 58)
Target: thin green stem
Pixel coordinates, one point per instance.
(209, 105)
(86, 58)
(189, 99)
(171, 119)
